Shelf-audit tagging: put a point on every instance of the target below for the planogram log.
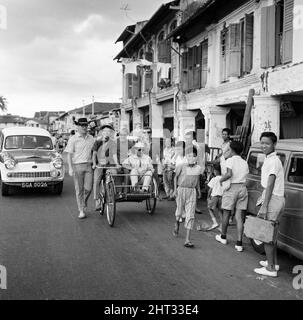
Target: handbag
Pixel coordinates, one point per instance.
(261, 229)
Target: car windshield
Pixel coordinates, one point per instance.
(28, 142)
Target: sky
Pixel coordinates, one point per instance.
(55, 54)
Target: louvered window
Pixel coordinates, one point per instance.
(277, 33)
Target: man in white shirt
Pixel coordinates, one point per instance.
(236, 196)
(79, 149)
(273, 201)
(140, 166)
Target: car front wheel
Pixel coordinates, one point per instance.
(57, 188)
(4, 189)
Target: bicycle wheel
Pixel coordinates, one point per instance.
(110, 203)
(152, 201)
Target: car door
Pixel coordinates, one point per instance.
(291, 222)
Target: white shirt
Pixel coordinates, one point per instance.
(81, 148)
(239, 168)
(142, 163)
(215, 185)
(273, 165)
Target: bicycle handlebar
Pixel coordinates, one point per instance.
(100, 167)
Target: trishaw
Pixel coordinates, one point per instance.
(113, 191)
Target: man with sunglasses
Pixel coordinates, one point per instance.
(140, 166)
(79, 149)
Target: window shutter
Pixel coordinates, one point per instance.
(135, 87)
(129, 82)
(164, 53)
(184, 77)
(168, 51)
(248, 42)
(148, 80)
(190, 62)
(268, 27)
(204, 49)
(288, 30)
(197, 67)
(234, 50)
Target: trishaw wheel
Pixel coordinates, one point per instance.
(152, 201)
(110, 203)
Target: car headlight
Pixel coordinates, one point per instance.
(58, 163)
(9, 164)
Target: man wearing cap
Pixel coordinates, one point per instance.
(104, 155)
(79, 149)
(140, 166)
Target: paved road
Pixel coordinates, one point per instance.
(50, 254)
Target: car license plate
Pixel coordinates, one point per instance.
(34, 185)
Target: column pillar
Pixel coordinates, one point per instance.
(265, 116)
(215, 121)
(124, 119)
(186, 120)
(156, 118)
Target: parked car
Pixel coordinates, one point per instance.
(28, 159)
(290, 237)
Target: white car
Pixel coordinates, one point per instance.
(28, 159)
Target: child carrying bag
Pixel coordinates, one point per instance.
(261, 229)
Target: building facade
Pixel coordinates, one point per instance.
(149, 74)
(219, 51)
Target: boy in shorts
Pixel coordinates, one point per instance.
(187, 187)
(214, 199)
(236, 196)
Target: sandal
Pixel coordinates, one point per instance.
(188, 244)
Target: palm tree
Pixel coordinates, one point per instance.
(3, 103)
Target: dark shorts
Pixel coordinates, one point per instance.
(214, 203)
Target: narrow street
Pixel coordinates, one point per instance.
(50, 254)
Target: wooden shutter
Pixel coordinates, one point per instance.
(204, 49)
(148, 80)
(135, 82)
(248, 42)
(129, 85)
(184, 76)
(234, 50)
(224, 62)
(268, 27)
(190, 63)
(164, 53)
(197, 67)
(288, 31)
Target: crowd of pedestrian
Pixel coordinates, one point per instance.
(182, 165)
